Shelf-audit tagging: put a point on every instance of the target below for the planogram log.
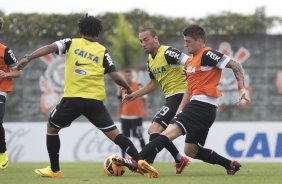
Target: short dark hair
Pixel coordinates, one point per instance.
(195, 32)
(152, 31)
(90, 26)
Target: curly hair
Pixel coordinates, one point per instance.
(1, 23)
(90, 26)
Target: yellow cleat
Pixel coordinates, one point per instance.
(148, 170)
(4, 160)
(47, 172)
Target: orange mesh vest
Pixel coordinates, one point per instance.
(132, 108)
(202, 82)
(6, 84)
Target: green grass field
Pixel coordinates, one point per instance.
(198, 173)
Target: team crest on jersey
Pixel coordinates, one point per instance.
(158, 70)
(190, 69)
(52, 82)
(228, 83)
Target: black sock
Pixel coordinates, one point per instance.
(2, 139)
(53, 147)
(142, 143)
(170, 147)
(126, 145)
(123, 153)
(173, 151)
(152, 157)
(212, 157)
(155, 146)
(2, 131)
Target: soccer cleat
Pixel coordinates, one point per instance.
(129, 163)
(234, 167)
(150, 171)
(142, 167)
(179, 167)
(4, 161)
(47, 172)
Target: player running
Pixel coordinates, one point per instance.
(165, 66)
(84, 91)
(197, 110)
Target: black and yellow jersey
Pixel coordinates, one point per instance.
(167, 68)
(86, 64)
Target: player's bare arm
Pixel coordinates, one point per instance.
(148, 88)
(47, 49)
(120, 80)
(11, 74)
(239, 74)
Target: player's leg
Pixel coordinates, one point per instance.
(98, 115)
(3, 154)
(196, 151)
(169, 134)
(138, 130)
(62, 116)
(196, 119)
(125, 128)
(160, 123)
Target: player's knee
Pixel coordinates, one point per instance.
(155, 128)
(191, 151)
(52, 129)
(112, 134)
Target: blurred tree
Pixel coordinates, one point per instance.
(125, 48)
(166, 27)
(1, 13)
(28, 28)
(233, 23)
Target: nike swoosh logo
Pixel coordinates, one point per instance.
(5, 164)
(80, 64)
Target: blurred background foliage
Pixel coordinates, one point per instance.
(121, 30)
(25, 32)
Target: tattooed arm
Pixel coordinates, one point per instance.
(239, 74)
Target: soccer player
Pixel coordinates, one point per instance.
(8, 65)
(84, 91)
(132, 113)
(165, 66)
(197, 110)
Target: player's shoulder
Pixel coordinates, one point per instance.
(210, 53)
(66, 40)
(2, 46)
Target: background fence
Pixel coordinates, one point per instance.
(42, 81)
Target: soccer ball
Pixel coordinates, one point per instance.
(112, 169)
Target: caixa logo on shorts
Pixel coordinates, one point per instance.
(52, 82)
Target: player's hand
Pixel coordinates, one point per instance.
(128, 91)
(23, 62)
(242, 95)
(128, 97)
(3, 74)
